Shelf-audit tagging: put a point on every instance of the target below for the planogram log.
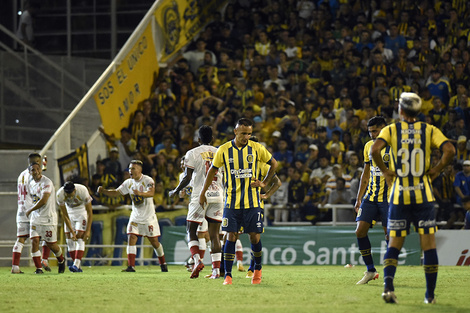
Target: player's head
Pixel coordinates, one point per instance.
(35, 169)
(205, 134)
(135, 168)
(375, 125)
(243, 131)
(410, 104)
(69, 188)
(34, 157)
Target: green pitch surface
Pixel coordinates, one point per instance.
(283, 289)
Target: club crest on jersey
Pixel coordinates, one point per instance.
(224, 222)
(386, 158)
(250, 158)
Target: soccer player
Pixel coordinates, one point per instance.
(241, 160)
(197, 162)
(76, 199)
(411, 197)
(43, 217)
(143, 220)
(372, 199)
(22, 222)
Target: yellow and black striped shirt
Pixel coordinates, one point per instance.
(241, 165)
(377, 189)
(411, 145)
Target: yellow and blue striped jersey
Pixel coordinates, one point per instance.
(411, 145)
(240, 166)
(377, 189)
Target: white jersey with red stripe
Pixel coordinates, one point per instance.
(47, 214)
(200, 160)
(143, 208)
(76, 204)
(24, 198)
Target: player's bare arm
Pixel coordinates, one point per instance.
(448, 153)
(188, 173)
(276, 184)
(108, 192)
(89, 211)
(65, 216)
(362, 186)
(269, 175)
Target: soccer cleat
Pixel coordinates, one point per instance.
(189, 264)
(212, 276)
(17, 272)
(196, 269)
(128, 269)
(62, 266)
(256, 279)
(75, 269)
(39, 271)
(45, 265)
(429, 300)
(164, 267)
(368, 276)
(389, 297)
(249, 274)
(240, 266)
(228, 280)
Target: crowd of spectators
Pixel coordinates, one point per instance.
(310, 74)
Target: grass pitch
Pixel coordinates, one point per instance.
(283, 289)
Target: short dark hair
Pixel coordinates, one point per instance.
(245, 122)
(69, 187)
(376, 121)
(205, 134)
(33, 157)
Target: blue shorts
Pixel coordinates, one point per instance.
(421, 215)
(372, 211)
(250, 219)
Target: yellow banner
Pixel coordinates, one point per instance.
(180, 20)
(128, 85)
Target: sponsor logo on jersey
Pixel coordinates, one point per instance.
(428, 223)
(410, 188)
(396, 224)
(242, 173)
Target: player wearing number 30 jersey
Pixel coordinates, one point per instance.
(411, 198)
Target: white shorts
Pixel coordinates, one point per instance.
(22, 229)
(151, 229)
(78, 221)
(203, 227)
(48, 233)
(213, 211)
